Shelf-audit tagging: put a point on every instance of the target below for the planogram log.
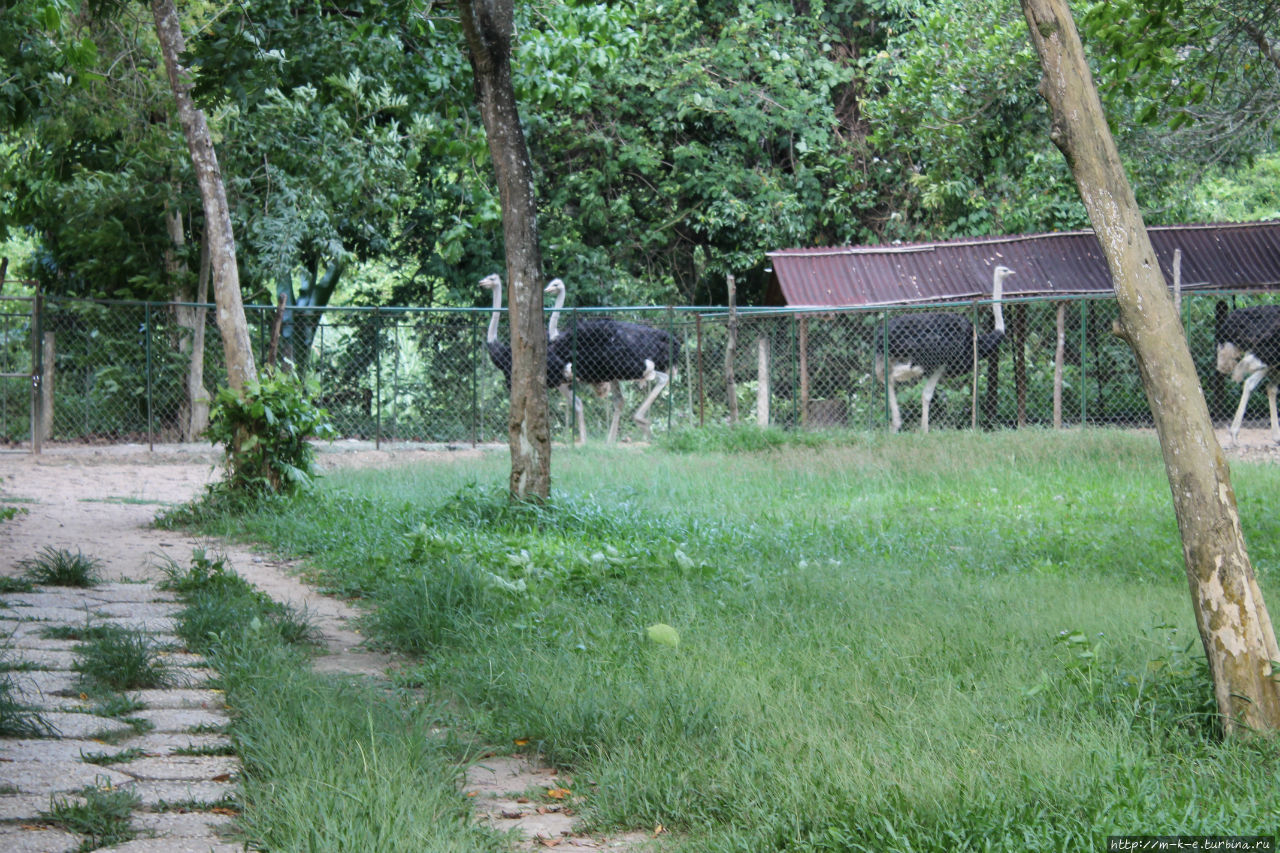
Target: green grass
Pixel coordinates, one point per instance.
(102, 814)
(16, 718)
(943, 642)
(328, 764)
(119, 659)
(59, 567)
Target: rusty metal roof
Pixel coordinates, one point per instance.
(1228, 257)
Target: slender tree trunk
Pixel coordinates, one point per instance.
(488, 27)
(222, 249)
(193, 413)
(1230, 614)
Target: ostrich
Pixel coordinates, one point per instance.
(500, 353)
(562, 381)
(602, 353)
(938, 343)
(1248, 341)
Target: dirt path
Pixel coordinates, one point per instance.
(101, 501)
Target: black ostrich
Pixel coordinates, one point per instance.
(1248, 341)
(938, 343)
(603, 353)
(500, 352)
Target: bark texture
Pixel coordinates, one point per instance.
(488, 27)
(222, 248)
(1234, 625)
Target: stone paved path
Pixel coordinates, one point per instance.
(182, 796)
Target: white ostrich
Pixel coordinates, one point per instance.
(939, 343)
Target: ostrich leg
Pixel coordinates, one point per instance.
(619, 403)
(1271, 400)
(926, 397)
(1249, 384)
(895, 414)
(641, 415)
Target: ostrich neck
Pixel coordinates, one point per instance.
(997, 293)
(553, 327)
(492, 336)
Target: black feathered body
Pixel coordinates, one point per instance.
(936, 339)
(605, 350)
(500, 355)
(1252, 330)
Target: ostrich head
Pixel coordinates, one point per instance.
(556, 287)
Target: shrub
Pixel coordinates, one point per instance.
(266, 432)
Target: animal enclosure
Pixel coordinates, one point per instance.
(121, 372)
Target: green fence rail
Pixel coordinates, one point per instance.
(127, 372)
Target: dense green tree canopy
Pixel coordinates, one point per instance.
(673, 141)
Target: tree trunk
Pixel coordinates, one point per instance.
(488, 27)
(222, 249)
(1234, 625)
(193, 412)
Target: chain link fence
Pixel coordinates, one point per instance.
(116, 372)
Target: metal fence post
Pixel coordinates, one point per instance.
(150, 401)
(475, 368)
(377, 377)
(671, 364)
(1084, 361)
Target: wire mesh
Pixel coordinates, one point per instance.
(126, 372)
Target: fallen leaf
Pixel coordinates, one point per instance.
(558, 793)
(224, 810)
(221, 777)
(658, 830)
(522, 741)
(663, 634)
(551, 842)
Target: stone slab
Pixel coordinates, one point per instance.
(175, 845)
(26, 807)
(182, 824)
(181, 768)
(183, 719)
(33, 838)
(167, 743)
(138, 610)
(187, 697)
(60, 777)
(85, 726)
(154, 795)
(43, 751)
(48, 659)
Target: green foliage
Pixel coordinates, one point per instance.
(60, 567)
(266, 431)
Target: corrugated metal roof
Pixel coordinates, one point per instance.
(1244, 256)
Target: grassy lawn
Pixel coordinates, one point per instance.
(945, 642)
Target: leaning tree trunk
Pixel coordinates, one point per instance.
(222, 248)
(488, 26)
(1234, 625)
